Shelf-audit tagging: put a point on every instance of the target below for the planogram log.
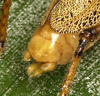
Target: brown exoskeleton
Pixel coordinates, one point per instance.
(3, 22)
(68, 28)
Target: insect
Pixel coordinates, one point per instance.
(69, 27)
(3, 23)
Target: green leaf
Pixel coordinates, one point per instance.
(24, 17)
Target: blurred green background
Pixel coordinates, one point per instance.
(24, 17)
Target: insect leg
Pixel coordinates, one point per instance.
(3, 23)
(86, 36)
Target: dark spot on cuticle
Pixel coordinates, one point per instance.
(62, 19)
(98, 16)
(84, 23)
(71, 14)
(66, 16)
(2, 44)
(94, 12)
(89, 1)
(67, 24)
(76, 23)
(89, 18)
(95, 19)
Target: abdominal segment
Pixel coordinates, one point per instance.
(49, 48)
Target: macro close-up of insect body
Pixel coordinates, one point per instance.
(69, 28)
